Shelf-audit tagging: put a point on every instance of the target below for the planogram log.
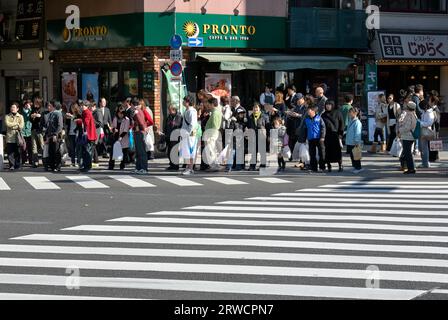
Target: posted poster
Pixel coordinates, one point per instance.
(219, 84)
(90, 90)
(69, 88)
(372, 101)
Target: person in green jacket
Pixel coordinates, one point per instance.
(346, 108)
(211, 134)
(27, 154)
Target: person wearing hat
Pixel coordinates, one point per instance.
(53, 135)
(406, 126)
(239, 150)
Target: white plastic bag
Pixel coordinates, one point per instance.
(397, 148)
(224, 155)
(304, 154)
(149, 142)
(296, 152)
(286, 152)
(117, 152)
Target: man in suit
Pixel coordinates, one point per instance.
(105, 119)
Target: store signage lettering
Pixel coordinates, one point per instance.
(92, 33)
(220, 32)
(403, 46)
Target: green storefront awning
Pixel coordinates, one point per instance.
(240, 61)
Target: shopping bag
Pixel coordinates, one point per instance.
(149, 142)
(304, 153)
(296, 152)
(357, 153)
(286, 152)
(131, 141)
(46, 151)
(397, 148)
(436, 145)
(117, 152)
(224, 155)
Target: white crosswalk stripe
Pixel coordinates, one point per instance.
(310, 243)
(273, 180)
(41, 183)
(227, 181)
(133, 182)
(180, 182)
(87, 183)
(3, 185)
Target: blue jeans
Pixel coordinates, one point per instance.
(424, 148)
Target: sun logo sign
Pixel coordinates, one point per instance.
(191, 29)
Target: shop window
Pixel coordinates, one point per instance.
(131, 83)
(109, 85)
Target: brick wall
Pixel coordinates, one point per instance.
(96, 57)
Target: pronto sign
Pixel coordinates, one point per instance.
(218, 30)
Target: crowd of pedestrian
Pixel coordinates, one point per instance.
(311, 131)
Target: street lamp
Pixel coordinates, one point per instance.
(41, 54)
(19, 55)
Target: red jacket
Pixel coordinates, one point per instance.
(140, 121)
(89, 125)
(149, 120)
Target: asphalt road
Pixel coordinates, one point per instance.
(193, 246)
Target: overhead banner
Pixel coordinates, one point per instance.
(69, 88)
(219, 84)
(90, 87)
(414, 46)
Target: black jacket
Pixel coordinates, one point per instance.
(334, 122)
(172, 123)
(55, 124)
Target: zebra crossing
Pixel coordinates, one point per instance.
(352, 240)
(91, 183)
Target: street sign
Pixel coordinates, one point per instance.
(176, 42)
(176, 68)
(175, 55)
(195, 42)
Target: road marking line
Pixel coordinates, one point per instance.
(439, 291)
(227, 181)
(3, 185)
(133, 182)
(273, 180)
(224, 269)
(238, 242)
(263, 232)
(385, 187)
(350, 204)
(87, 183)
(38, 297)
(317, 193)
(276, 216)
(303, 199)
(319, 210)
(400, 183)
(41, 183)
(378, 191)
(180, 182)
(322, 225)
(216, 287)
(237, 255)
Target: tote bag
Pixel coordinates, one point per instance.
(117, 152)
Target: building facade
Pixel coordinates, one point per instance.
(411, 47)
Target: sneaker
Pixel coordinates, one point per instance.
(410, 172)
(424, 167)
(142, 172)
(95, 165)
(187, 172)
(357, 171)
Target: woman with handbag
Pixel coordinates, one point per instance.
(14, 139)
(427, 133)
(354, 138)
(407, 127)
(393, 114)
(120, 133)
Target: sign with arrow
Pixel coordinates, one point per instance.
(195, 42)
